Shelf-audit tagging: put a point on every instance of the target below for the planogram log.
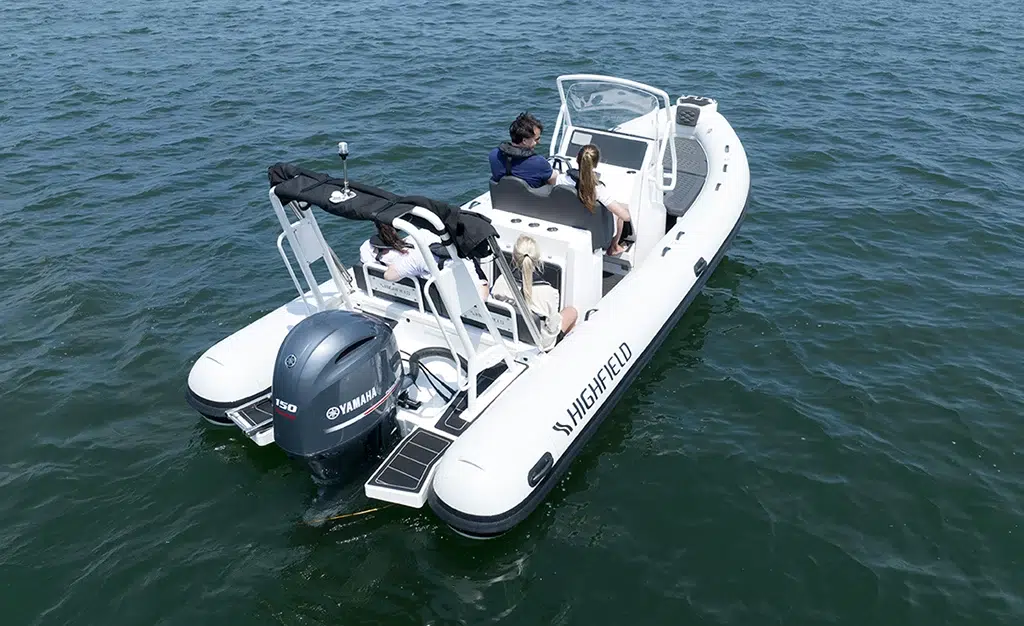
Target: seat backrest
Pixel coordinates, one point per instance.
(558, 204)
(551, 273)
(370, 279)
(504, 316)
(413, 292)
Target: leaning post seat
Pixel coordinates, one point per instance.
(413, 292)
(551, 273)
(557, 204)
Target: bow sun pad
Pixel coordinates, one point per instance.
(469, 231)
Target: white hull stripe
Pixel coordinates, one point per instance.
(366, 412)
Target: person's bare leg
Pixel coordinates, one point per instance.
(616, 248)
(569, 316)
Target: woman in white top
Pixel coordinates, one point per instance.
(541, 297)
(590, 191)
(403, 260)
(401, 257)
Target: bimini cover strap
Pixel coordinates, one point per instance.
(469, 231)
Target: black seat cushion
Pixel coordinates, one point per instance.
(403, 291)
(558, 204)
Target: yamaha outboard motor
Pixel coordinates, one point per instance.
(335, 382)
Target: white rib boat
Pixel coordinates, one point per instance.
(440, 397)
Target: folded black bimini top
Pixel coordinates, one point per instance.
(469, 231)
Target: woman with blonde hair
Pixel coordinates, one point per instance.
(541, 297)
(590, 191)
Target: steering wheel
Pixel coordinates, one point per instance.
(560, 163)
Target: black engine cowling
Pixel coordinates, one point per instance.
(334, 387)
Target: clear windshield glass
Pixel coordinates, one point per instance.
(601, 105)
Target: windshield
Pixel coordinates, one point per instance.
(600, 105)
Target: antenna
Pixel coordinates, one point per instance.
(346, 193)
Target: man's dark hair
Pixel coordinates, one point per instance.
(523, 127)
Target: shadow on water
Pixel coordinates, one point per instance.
(427, 571)
(730, 273)
(233, 443)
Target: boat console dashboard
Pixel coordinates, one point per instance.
(616, 149)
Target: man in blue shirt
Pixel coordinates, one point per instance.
(517, 158)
